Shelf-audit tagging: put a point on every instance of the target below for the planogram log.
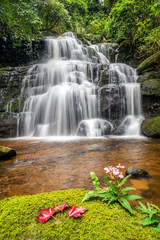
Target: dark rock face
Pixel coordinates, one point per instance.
(10, 88)
(137, 173)
(151, 127)
(27, 52)
(113, 101)
(150, 84)
(6, 153)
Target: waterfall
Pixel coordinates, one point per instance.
(60, 97)
(127, 77)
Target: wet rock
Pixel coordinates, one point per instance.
(104, 78)
(94, 128)
(137, 173)
(112, 101)
(10, 88)
(151, 127)
(6, 153)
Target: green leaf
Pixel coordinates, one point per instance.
(89, 195)
(152, 213)
(111, 198)
(142, 207)
(127, 189)
(111, 185)
(95, 194)
(95, 180)
(124, 180)
(132, 197)
(156, 207)
(148, 205)
(157, 228)
(148, 221)
(125, 204)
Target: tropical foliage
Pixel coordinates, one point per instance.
(151, 215)
(133, 23)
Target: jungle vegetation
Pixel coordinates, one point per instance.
(136, 24)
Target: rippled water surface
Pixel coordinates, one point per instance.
(45, 165)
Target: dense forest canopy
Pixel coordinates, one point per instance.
(135, 23)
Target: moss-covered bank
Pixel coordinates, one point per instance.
(151, 127)
(18, 219)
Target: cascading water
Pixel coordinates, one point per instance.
(127, 78)
(61, 95)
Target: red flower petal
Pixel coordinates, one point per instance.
(76, 212)
(45, 214)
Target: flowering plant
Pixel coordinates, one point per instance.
(114, 193)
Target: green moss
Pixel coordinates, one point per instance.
(18, 214)
(151, 127)
(146, 76)
(4, 149)
(151, 87)
(149, 63)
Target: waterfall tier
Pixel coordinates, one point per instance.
(62, 97)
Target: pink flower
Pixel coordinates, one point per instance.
(110, 168)
(116, 171)
(120, 166)
(120, 176)
(107, 170)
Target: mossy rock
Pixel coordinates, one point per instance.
(18, 219)
(151, 87)
(6, 153)
(149, 63)
(146, 76)
(92, 53)
(151, 127)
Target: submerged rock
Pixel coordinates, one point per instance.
(137, 173)
(151, 127)
(6, 153)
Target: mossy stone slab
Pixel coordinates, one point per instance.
(151, 127)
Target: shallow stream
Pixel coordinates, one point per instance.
(44, 165)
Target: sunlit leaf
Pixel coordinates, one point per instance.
(125, 204)
(45, 214)
(76, 212)
(95, 180)
(124, 181)
(133, 197)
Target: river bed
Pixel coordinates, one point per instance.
(44, 165)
